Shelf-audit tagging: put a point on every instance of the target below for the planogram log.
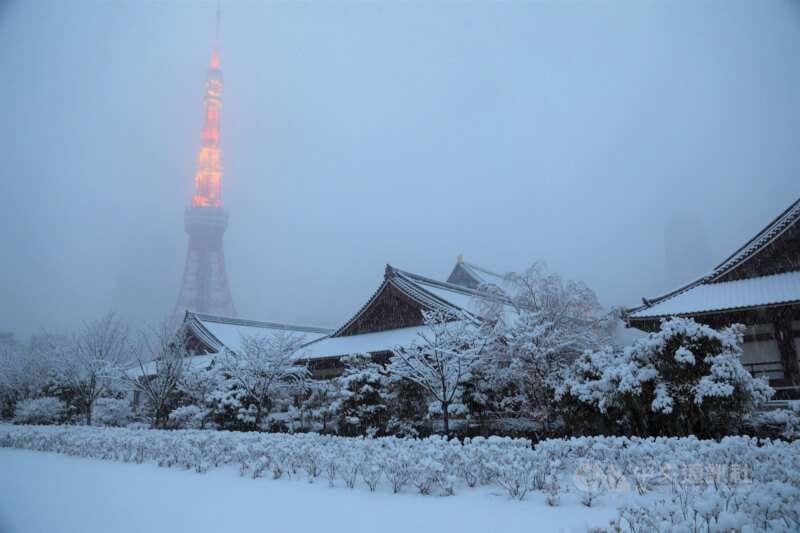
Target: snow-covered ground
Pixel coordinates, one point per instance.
(48, 492)
(109, 480)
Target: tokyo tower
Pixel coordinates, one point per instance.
(205, 284)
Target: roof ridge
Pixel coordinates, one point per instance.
(761, 239)
(484, 270)
(443, 284)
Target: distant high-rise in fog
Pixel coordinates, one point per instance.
(687, 250)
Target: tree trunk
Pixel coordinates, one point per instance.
(259, 409)
(88, 414)
(446, 417)
(161, 418)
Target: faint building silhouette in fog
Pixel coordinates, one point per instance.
(688, 255)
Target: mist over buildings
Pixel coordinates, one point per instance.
(628, 145)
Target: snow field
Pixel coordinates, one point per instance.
(47, 493)
(668, 484)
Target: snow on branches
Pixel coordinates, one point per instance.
(90, 367)
(441, 360)
(536, 326)
(685, 378)
(161, 363)
(264, 370)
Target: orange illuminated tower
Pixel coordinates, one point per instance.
(205, 284)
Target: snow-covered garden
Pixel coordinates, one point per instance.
(666, 484)
(687, 445)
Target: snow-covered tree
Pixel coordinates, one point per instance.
(537, 325)
(480, 398)
(26, 369)
(89, 368)
(318, 409)
(161, 360)
(441, 359)
(686, 378)
(196, 387)
(408, 410)
(361, 407)
(264, 369)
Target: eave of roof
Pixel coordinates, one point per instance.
(736, 295)
(196, 326)
(196, 323)
(372, 342)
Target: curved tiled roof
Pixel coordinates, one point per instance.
(216, 331)
(762, 291)
(765, 237)
(429, 293)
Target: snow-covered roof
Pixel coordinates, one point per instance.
(217, 331)
(774, 230)
(483, 275)
(379, 341)
(429, 293)
(472, 276)
(708, 293)
(446, 296)
(728, 295)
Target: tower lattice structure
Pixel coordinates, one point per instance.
(205, 284)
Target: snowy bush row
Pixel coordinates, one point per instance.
(735, 484)
(773, 507)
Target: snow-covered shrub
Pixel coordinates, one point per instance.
(396, 468)
(371, 471)
(772, 507)
(188, 417)
(779, 423)
(702, 484)
(685, 379)
(45, 410)
(349, 469)
(422, 474)
(112, 412)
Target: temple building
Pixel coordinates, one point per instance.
(391, 318)
(758, 286)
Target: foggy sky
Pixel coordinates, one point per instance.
(358, 134)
